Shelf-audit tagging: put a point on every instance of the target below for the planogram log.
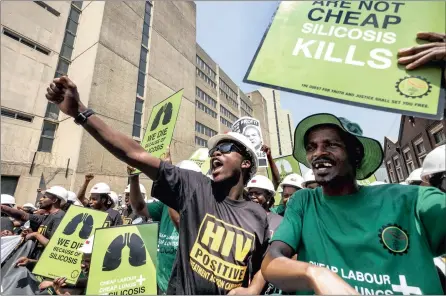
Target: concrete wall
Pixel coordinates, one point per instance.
(25, 74)
(172, 67)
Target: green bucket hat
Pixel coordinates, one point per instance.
(373, 153)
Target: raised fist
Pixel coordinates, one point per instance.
(63, 92)
(89, 177)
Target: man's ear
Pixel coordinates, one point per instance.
(246, 164)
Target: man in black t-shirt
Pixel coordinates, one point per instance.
(220, 232)
(100, 200)
(42, 227)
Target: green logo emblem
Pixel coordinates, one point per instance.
(394, 239)
(413, 87)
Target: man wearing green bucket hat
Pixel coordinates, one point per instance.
(352, 239)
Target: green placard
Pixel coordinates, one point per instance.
(286, 165)
(201, 158)
(161, 124)
(346, 51)
(61, 257)
(124, 261)
(367, 181)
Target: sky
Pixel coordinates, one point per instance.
(230, 32)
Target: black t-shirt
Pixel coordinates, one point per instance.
(113, 218)
(45, 225)
(217, 239)
(274, 222)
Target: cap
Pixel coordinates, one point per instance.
(294, 180)
(7, 199)
(261, 182)
(241, 139)
(100, 188)
(59, 192)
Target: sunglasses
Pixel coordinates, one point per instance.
(225, 148)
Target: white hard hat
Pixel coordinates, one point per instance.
(87, 247)
(100, 188)
(73, 198)
(308, 178)
(59, 192)
(375, 183)
(141, 188)
(404, 183)
(189, 165)
(7, 199)
(114, 197)
(434, 163)
(293, 180)
(414, 176)
(239, 138)
(29, 205)
(261, 182)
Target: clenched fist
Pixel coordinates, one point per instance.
(63, 92)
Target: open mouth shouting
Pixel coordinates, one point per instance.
(217, 166)
(322, 165)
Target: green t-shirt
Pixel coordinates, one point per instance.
(279, 210)
(167, 242)
(381, 240)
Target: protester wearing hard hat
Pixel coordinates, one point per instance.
(8, 200)
(345, 234)
(72, 199)
(309, 180)
(415, 177)
(128, 215)
(200, 201)
(434, 168)
(43, 226)
(100, 200)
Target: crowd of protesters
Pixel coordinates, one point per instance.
(328, 235)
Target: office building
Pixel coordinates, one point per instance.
(280, 123)
(124, 57)
(417, 137)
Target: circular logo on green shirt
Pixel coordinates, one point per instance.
(394, 239)
(413, 87)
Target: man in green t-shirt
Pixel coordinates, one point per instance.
(352, 239)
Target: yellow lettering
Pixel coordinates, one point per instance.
(227, 245)
(216, 236)
(242, 250)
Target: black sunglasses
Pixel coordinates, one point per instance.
(225, 148)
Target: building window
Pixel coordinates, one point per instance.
(399, 171)
(25, 41)
(137, 118)
(225, 122)
(227, 114)
(227, 93)
(202, 129)
(391, 173)
(206, 78)
(206, 109)
(205, 68)
(9, 184)
(201, 142)
(17, 115)
(47, 7)
(246, 109)
(409, 162)
(420, 150)
(47, 136)
(205, 97)
(438, 134)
